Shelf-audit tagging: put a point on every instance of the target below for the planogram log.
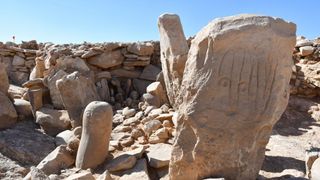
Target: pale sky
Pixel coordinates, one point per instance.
(75, 21)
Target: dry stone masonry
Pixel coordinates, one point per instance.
(196, 108)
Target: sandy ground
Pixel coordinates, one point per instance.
(294, 134)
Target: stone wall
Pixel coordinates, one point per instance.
(134, 65)
(306, 75)
(124, 69)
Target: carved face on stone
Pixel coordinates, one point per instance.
(241, 92)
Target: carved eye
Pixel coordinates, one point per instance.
(224, 82)
(242, 86)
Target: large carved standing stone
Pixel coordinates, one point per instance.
(76, 92)
(96, 130)
(174, 51)
(235, 88)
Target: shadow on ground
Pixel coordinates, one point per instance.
(295, 121)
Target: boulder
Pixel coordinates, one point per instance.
(77, 92)
(87, 175)
(11, 169)
(70, 64)
(38, 69)
(18, 78)
(235, 87)
(4, 81)
(18, 61)
(122, 162)
(174, 51)
(315, 170)
(140, 48)
(54, 91)
(306, 50)
(159, 155)
(8, 114)
(105, 176)
(107, 59)
(67, 136)
(53, 121)
(35, 99)
(150, 73)
(156, 89)
(17, 143)
(139, 171)
(23, 108)
(140, 85)
(57, 160)
(96, 130)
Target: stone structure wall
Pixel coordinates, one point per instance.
(306, 75)
(126, 67)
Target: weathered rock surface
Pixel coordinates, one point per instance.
(107, 59)
(315, 170)
(54, 92)
(4, 81)
(174, 51)
(8, 115)
(10, 169)
(23, 108)
(53, 121)
(25, 144)
(77, 92)
(57, 160)
(81, 176)
(96, 130)
(159, 155)
(139, 171)
(233, 92)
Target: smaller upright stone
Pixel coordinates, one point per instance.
(96, 130)
(77, 92)
(35, 99)
(174, 52)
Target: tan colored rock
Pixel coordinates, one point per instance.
(159, 155)
(140, 48)
(35, 99)
(38, 70)
(156, 89)
(81, 176)
(66, 136)
(54, 91)
(77, 92)
(4, 81)
(57, 160)
(306, 50)
(315, 170)
(107, 59)
(23, 108)
(150, 73)
(235, 88)
(105, 176)
(70, 64)
(53, 121)
(18, 61)
(96, 130)
(122, 162)
(8, 114)
(174, 51)
(139, 171)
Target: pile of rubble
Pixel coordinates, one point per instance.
(306, 74)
